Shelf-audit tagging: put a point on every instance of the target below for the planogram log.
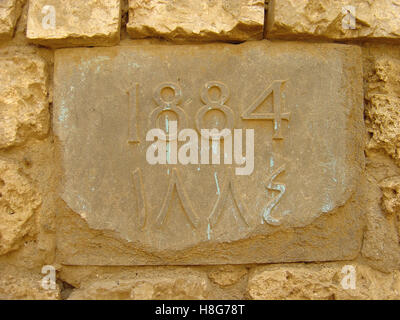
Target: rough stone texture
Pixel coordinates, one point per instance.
(227, 275)
(206, 20)
(23, 284)
(10, 11)
(391, 194)
(158, 288)
(18, 203)
(375, 20)
(23, 99)
(321, 282)
(321, 151)
(381, 239)
(31, 167)
(383, 107)
(391, 198)
(77, 23)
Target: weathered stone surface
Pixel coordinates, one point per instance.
(227, 275)
(18, 202)
(21, 288)
(23, 284)
(10, 11)
(381, 237)
(236, 20)
(160, 288)
(23, 99)
(375, 20)
(321, 282)
(65, 23)
(381, 240)
(383, 107)
(391, 202)
(391, 194)
(118, 195)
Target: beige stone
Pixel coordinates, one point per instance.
(23, 98)
(381, 240)
(176, 214)
(322, 282)
(65, 23)
(227, 20)
(18, 203)
(227, 275)
(159, 288)
(383, 105)
(381, 237)
(391, 198)
(298, 19)
(10, 11)
(24, 285)
(391, 194)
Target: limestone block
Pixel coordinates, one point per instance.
(391, 198)
(343, 19)
(18, 202)
(298, 203)
(228, 20)
(227, 275)
(383, 105)
(24, 285)
(391, 191)
(23, 98)
(322, 282)
(10, 11)
(65, 23)
(381, 237)
(159, 288)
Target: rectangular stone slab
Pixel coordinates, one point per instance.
(304, 102)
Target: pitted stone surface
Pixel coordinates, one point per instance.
(18, 203)
(342, 19)
(65, 23)
(24, 102)
(230, 20)
(304, 102)
(9, 14)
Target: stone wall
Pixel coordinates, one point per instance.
(38, 227)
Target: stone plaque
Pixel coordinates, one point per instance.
(294, 200)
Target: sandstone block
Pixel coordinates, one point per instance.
(391, 191)
(24, 285)
(227, 275)
(23, 98)
(340, 20)
(10, 11)
(65, 23)
(381, 237)
(297, 204)
(228, 20)
(322, 282)
(383, 105)
(18, 203)
(391, 198)
(161, 288)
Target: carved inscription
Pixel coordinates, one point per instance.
(254, 149)
(277, 116)
(278, 187)
(140, 196)
(176, 184)
(133, 105)
(172, 105)
(227, 189)
(218, 104)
